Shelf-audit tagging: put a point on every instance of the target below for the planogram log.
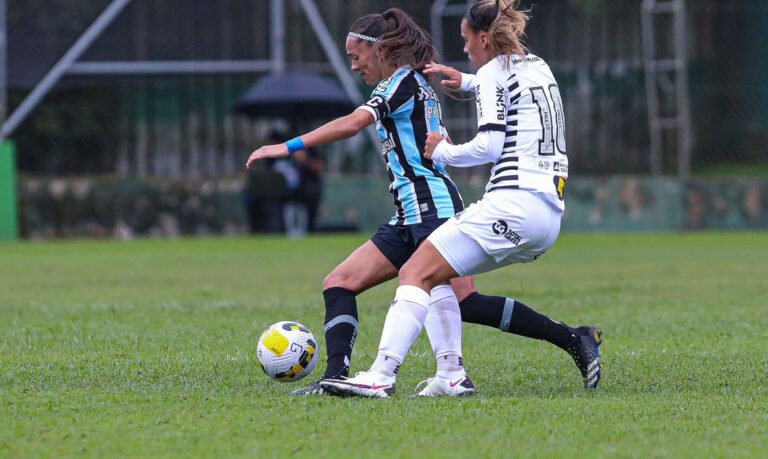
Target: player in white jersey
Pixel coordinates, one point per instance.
(521, 131)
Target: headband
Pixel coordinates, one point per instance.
(360, 36)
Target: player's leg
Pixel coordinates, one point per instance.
(517, 318)
(512, 316)
(364, 268)
(421, 273)
(443, 326)
(509, 315)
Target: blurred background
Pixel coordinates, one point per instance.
(126, 118)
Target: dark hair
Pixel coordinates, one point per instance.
(505, 25)
(400, 40)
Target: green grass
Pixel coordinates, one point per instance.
(148, 349)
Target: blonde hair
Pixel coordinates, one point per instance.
(504, 24)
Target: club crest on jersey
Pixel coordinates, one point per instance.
(502, 229)
(559, 186)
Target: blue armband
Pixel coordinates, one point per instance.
(294, 145)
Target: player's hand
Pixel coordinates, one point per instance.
(433, 139)
(267, 151)
(451, 76)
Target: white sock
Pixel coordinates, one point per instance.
(443, 324)
(401, 328)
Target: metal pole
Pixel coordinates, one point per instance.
(683, 105)
(649, 54)
(277, 38)
(436, 23)
(3, 61)
(61, 67)
(310, 9)
(168, 67)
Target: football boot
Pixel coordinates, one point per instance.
(370, 384)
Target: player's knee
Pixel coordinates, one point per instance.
(410, 275)
(340, 279)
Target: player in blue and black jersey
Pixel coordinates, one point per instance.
(390, 51)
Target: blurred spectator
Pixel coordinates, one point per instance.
(632, 199)
(284, 196)
(265, 191)
(753, 205)
(310, 190)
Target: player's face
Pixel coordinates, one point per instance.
(476, 45)
(363, 60)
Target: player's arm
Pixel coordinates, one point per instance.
(488, 144)
(338, 129)
(452, 78)
(484, 148)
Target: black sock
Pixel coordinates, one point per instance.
(340, 329)
(482, 309)
(514, 317)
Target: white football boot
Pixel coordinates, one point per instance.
(371, 384)
(445, 387)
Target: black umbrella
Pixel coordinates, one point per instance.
(295, 96)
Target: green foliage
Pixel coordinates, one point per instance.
(147, 349)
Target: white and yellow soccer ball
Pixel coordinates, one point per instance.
(287, 351)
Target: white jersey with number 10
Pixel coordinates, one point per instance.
(524, 102)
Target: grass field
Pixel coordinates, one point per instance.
(147, 348)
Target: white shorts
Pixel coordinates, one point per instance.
(505, 227)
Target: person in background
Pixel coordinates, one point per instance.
(310, 190)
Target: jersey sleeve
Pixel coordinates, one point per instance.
(468, 82)
(491, 102)
(388, 98)
(485, 148)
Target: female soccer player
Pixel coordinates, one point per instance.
(389, 50)
(521, 130)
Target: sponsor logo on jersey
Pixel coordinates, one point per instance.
(477, 99)
(560, 186)
(387, 145)
(502, 229)
(425, 94)
(501, 108)
(382, 86)
(559, 167)
(544, 165)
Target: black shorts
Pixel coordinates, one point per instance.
(399, 242)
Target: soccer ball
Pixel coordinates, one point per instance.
(287, 351)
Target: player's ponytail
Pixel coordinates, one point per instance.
(396, 38)
(505, 25)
